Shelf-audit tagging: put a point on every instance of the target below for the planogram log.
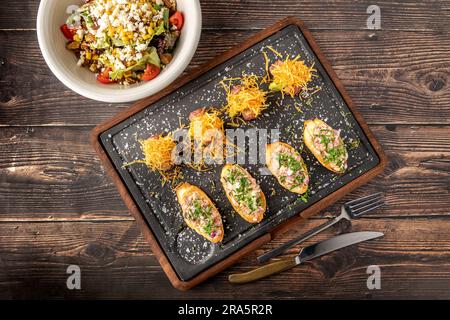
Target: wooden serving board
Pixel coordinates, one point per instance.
(187, 258)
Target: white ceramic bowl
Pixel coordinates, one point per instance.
(63, 63)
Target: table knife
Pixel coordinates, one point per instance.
(305, 254)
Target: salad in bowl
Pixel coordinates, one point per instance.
(118, 50)
(124, 41)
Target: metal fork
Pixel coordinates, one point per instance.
(350, 210)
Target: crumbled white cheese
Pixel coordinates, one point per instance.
(129, 23)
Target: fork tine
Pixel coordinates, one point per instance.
(364, 203)
(371, 207)
(362, 199)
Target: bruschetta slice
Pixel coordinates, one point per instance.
(199, 212)
(287, 166)
(243, 192)
(326, 145)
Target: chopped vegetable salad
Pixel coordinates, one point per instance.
(124, 41)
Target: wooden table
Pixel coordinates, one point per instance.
(57, 206)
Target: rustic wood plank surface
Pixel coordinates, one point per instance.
(387, 81)
(414, 256)
(57, 207)
(410, 15)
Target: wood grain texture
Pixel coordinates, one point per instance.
(388, 80)
(115, 262)
(52, 167)
(410, 15)
(57, 207)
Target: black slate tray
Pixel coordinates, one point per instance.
(188, 253)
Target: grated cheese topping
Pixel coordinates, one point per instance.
(245, 98)
(290, 76)
(158, 152)
(204, 123)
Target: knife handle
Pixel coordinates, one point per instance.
(262, 272)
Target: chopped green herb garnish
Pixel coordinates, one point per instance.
(309, 102)
(200, 213)
(304, 197)
(208, 228)
(290, 162)
(336, 155)
(243, 193)
(353, 144)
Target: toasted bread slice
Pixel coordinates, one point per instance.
(287, 166)
(243, 192)
(326, 145)
(199, 212)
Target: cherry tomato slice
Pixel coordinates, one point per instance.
(150, 72)
(104, 77)
(67, 32)
(177, 20)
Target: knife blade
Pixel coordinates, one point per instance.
(305, 254)
(335, 243)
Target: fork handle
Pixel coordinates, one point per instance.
(277, 251)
